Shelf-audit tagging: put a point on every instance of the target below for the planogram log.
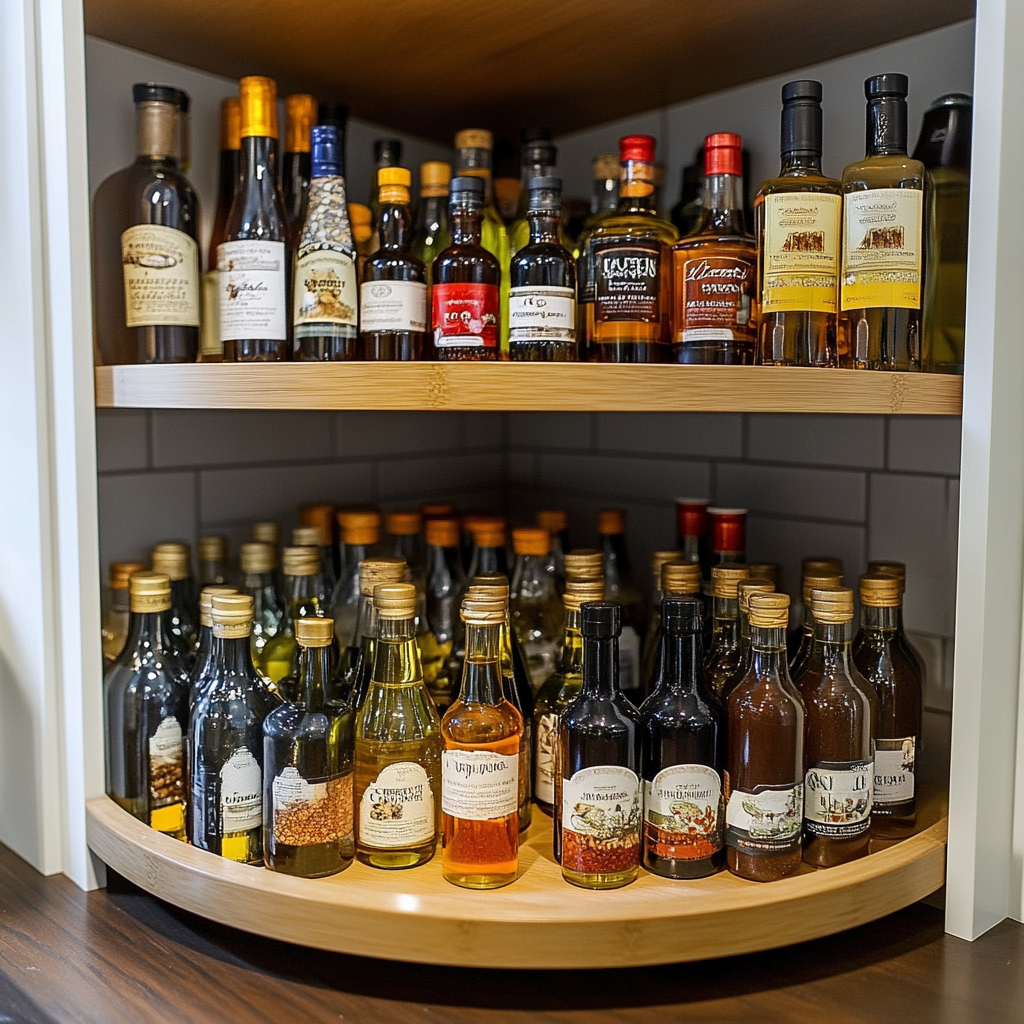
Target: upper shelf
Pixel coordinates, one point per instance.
(504, 386)
(431, 67)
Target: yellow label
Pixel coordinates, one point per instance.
(801, 252)
(236, 848)
(168, 819)
(882, 248)
(161, 277)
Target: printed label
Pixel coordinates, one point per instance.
(252, 290)
(241, 793)
(539, 314)
(325, 286)
(397, 809)
(766, 821)
(683, 811)
(465, 315)
(544, 775)
(309, 812)
(629, 659)
(717, 294)
(394, 306)
(161, 277)
(166, 762)
(627, 281)
(601, 819)
(837, 798)
(479, 785)
(210, 343)
(882, 248)
(894, 771)
(801, 252)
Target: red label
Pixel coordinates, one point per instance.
(465, 315)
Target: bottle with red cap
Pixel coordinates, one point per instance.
(728, 535)
(625, 276)
(715, 267)
(692, 532)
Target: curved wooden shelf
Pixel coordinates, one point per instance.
(539, 921)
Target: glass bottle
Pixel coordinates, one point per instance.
(386, 153)
(213, 557)
(728, 535)
(225, 741)
(625, 268)
(360, 536)
(556, 522)
(489, 554)
(692, 528)
(466, 281)
(185, 131)
(258, 562)
(808, 567)
(308, 813)
(361, 219)
(315, 537)
(682, 755)
(325, 309)
(899, 570)
(686, 214)
(115, 620)
(145, 713)
(208, 652)
(397, 744)
(145, 257)
(542, 299)
(604, 201)
(765, 733)
(809, 582)
(173, 559)
(743, 591)
(252, 261)
(539, 159)
(714, 318)
(405, 532)
(431, 235)
(880, 292)
(322, 514)
(672, 578)
(300, 114)
(482, 733)
(537, 615)
(393, 293)
(724, 653)
(445, 582)
(506, 180)
(798, 216)
(887, 667)
(270, 533)
(619, 587)
(279, 660)
(840, 708)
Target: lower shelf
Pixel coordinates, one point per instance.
(539, 921)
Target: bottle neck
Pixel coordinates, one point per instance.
(236, 655)
(723, 204)
(367, 622)
(532, 580)
(466, 225)
(725, 631)
(601, 666)
(636, 187)
(432, 210)
(543, 226)
(886, 127)
(682, 664)
(570, 661)
(616, 561)
(768, 653)
(796, 165)
(482, 675)
(314, 675)
(832, 643)
(156, 132)
(302, 596)
(606, 195)
(397, 656)
(149, 630)
(394, 226)
(444, 568)
(887, 619)
(258, 173)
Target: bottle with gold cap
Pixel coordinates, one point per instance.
(322, 514)
(765, 730)
(258, 562)
(314, 537)
(431, 235)
(208, 650)
(115, 619)
(308, 816)
(405, 540)
(556, 522)
(489, 553)
(300, 114)
(252, 261)
(818, 567)
(619, 587)
(724, 655)
(397, 744)
(145, 713)
(818, 573)
(360, 537)
(386, 153)
(482, 733)
(743, 591)
(270, 533)
(279, 660)
(445, 583)
(213, 556)
(839, 753)
(174, 560)
(648, 649)
(899, 570)
(672, 578)
(887, 666)
(537, 614)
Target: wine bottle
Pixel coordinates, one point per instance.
(674, 579)
(619, 587)
(115, 617)
(445, 582)
(207, 652)
(899, 570)
(300, 114)
(173, 559)
(488, 553)
(258, 562)
(724, 654)
(823, 567)
(692, 532)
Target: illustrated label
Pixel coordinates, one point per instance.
(544, 775)
(309, 812)
(479, 784)
(882, 248)
(325, 287)
(627, 281)
(542, 314)
(241, 792)
(252, 290)
(894, 771)
(601, 819)
(837, 798)
(161, 277)
(397, 808)
(166, 780)
(717, 294)
(801, 252)
(394, 306)
(465, 315)
(683, 812)
(629, 659)
(766, 821)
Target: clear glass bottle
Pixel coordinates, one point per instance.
(308, 816)
(431, 235)
(270, 533)
(300, 114)
(174, 560)
(115, 619)
(258, 562)
(672, 578)
(213, 560)
(360, 537)
(279, 660)
(208, 652)
(537, 614)
(619, 587)
(820, 578)
(314, 537)
(489, 553)
(743, 591)
(405, 540)
(445, 583)
(724, 653)
(556, 522)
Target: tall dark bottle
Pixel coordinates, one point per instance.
(682, 755)
(430, 234)
(252, 261)
(300, 114)
(619, 587)
(393, 292)
(144, 251)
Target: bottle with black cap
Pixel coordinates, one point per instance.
(797, 217)
(539, 160)
(466, 281)
(597, 785)
(883, 195)
(146, 288)
(542, 299)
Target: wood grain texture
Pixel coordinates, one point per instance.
(540, 921)
(580, 387)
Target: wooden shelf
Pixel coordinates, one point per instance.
(540, 921)
(581, 387)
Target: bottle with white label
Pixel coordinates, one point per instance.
(682, 758)
(482, 732)
(619, 587)
(308, 809)
(841, 707)
(225, 740)
(542, 299)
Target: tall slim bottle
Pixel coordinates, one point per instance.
(800, 634)
(899, 570)
(692, 532)
(431, 235)
(539, 160)
(619, 587)
(445, 582)
(314, 537)
(300, 114)
(537, 615)
(360, 536)
(213, 559)
(672, 578)
(323, 515)
(174, 560)
(404, 528)
(724, 654)
(556, 522)
(386, 153)
(279, 660)
(489, 553)
(258, 562)
(208, 653)
(810, 582)
(115, 618)
(743, 591)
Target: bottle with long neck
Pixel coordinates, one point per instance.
(604, 201)
(360, 537)
(208, 652)
(539, 160)
(252, 261)
(174, 560)
(213, 557)
(808, 567)
(323, 515)
(537, 615)
(682, 755)
(687, 212)
(619, 587)
(488, 553)
(899, 570)
(765, 733)
(828, 573)
(308, 818)
(445, 582)
(556, 522)
(431, 235)
(315, 537)
(386, 153)
(405, 540)
(258, 562)
(743, 591)
(115, 618)
(724, 654)
(692, 532)
(300, 114)
(672, 578)
(279, 660)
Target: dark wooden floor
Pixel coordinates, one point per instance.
(122, 957)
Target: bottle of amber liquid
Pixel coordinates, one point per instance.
(798, 217)
(818, 574)
(743, 591)
(480, 763)
(714, 269)
(300, 114)
(840, 708)
(115, 618)
(887, 667)
(279, 660)
(725, 653)
(809, 567)
(765, 732)
(445, 582)
(899, 570)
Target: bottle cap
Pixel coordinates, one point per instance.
(232, 615)
(494, 583)
(724, 579)
(309, 537)
(488, 533)
(150, 92)
(606, 167)
(360, 527)
(404, 523)
(678, 578)
(120, 572)
(318, 513)
(327, 158)
(374, 571)
(172, 558)
(728, 530)
(889, 84)
(442, 533)
(434, 178)
(770, 571)
(212, 549)
(361, 215)
(878, 590)
(897, 569)
(149, 592)
(582, 591)
(769, 610)
(801, 118)
(637, 147)
(466, 188)
(474, 138)
(394, 176)
(267, 532)
(682, 616)
(601, 619)
(660, 558)
(751, 586)
(258, 98)
(230, 123)
(820, 581)
(584, 563)
(692, 517)
(206, 596)
(723, 153)
(393, 599)
(611, 521)
(256, 556)
(554, 519)
(333, 114)
(314, 631)
(545, 184)
(804, 89)
(833, 605)
(531, 540)
(482, 612)
(437, 510)
(821, 567)
(300, 116)
(300, 561)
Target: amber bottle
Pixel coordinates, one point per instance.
(743, 591)
(811, 581)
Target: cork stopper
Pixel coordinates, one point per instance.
(300, 561)
(474, 138)
(494, 583)
(437, 510)
(878, 590)
(769, 610)
(373, 571)
(606, 166)
(442, 533)
(611, 521)
(206, 597)
(488, 533)
(821, 567)
(896, 569)
(580, 592)
(395, 600)
(232, 615)
(771, 571)
(309, 537)
(314, 631)
(255, 556)
(725, 578)
(149, 592)
(819, 582)
(584, 563)
(482, 612)
(750, 586)
(405, 523)
(121, 571)
(679, 578)
(833, 605)
(531, 540)
(266, 533)
(554, 519)
(172, 559)
(361, 527)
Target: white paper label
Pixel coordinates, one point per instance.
(686, 798)
(241, 792)
(394, 306)
(767, 821)
(629, 659)
(165, 744)
(161, 277)
(397, 809)
(536, 313)
(837, 798)
(894, 771)
(479, 785)
(325, 287)
(544, 776)
(603, 801)
(252, 290)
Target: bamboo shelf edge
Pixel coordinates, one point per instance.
(508, 386)
(540, 921)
